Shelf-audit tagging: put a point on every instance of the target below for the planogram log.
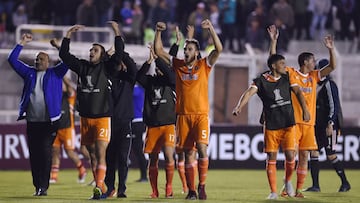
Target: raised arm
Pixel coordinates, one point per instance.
(159, 49)
(141, 76)
(244, 99)
(69, 59)
(131, 69)
(175, 47)
(118, 54)
(54, 43)
(214, 54)
(20, 67)
(301, 99)
(274, 35)
(190, 31)
(329, 44)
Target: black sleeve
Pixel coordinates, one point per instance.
(131, 69)
(70, 60)
(174, 50)
(141, 76)
(166, 70)
(118, 55)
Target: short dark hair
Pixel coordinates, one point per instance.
(103, 52)
(273, 59)
(193, 41)
(322, 64)
(304, 57)
(197, 45)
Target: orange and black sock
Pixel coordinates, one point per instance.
(203, 169)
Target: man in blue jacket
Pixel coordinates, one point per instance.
(40, 105)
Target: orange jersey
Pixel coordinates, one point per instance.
(307, 83)
(192, 87)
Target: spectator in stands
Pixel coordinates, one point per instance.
(41, 11)
(255, 35)
(284, 36)
(149, 34)
(41, 107)
(19, 16)
(227, 21)
(126, 17)
(215, 17)
(321, 9)
(161, 14)
(259, 15)
(64, 12)
(345, 13)
(136, 25)
(195, 19)
(303, 18)
(87, 15)
(282, 11)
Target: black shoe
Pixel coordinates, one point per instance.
(121, 195)
(201, 192)
(142, 180)
(40, 192)
(191, 195)
(312, 189)
(344, 187)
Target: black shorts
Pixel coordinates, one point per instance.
(328, 142)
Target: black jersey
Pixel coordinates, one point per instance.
(94, 86)
(160, 96)
(275, 95)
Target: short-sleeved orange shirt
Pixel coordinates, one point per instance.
(192, 87)
(307, 83)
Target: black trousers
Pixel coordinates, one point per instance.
(138, 128)
(117, 154)
(40, 137)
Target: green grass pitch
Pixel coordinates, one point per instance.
(222, 186)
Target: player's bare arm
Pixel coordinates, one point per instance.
(301, 99)
(158, 46)
(274, 35)
(190, 31)
(26, 38)
(178, 35)
(244, 99)
(152, 55)
(72, 29)
(55, 43)
(214, 54)
(329, 44)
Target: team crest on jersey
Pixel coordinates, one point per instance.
(89, 86)
(158, 97)
(305, 80)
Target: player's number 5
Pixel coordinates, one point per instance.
(203, 134)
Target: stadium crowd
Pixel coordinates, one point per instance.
(236, 21)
